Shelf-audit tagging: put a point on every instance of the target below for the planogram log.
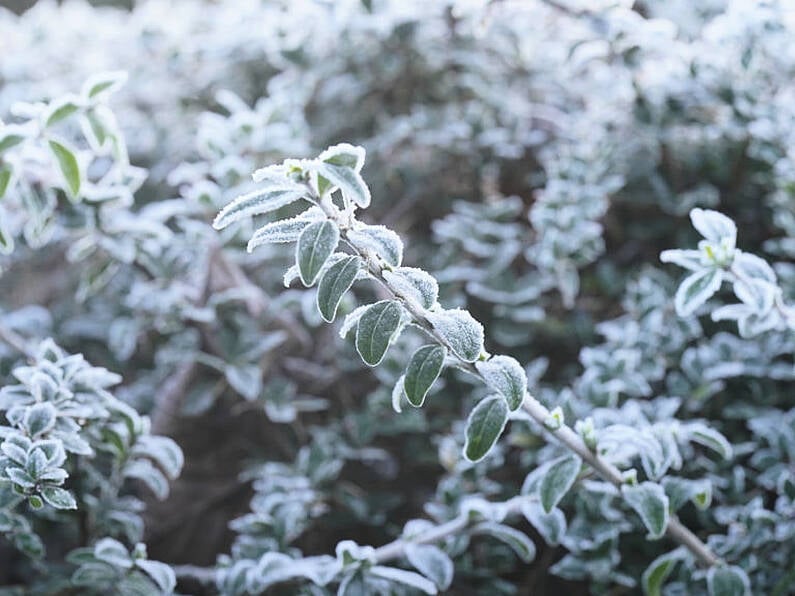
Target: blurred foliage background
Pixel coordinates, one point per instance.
(536, 156)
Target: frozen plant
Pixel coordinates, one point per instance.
(333, 250)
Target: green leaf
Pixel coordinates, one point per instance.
(558, 480)
(145, 471)
(517, 540)
(650, 502)
(39, 418)
(336, 280)
(113, 552)
(484, 426)
(413, 284)
(10, 136)
(378, 239)
(349, 181)
(728, 581)
(551, 526)
(659, 570)
(246, 379)
(5, 178)
(344, 154)
(461, 331)
(423, 369)
(432, 562)
(315, 245)
(58, 497)
(709, 437)
(60, 109)
(6, 240)
(258, 202)
(505, 376)
(376, 330)
(160, 573)
(696, 289)
(162, 450)
(286, 230)
(681, 490)
(406, 578)
(67, 162)
(94, 575)
(104, 83)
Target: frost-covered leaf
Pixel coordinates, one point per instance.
(39, 419)
(58, 497)
(10, 136)
(406, 578)
(505, 376)
(113, 552)
(754, 267)
(93, 575)
(335, 281)
(709, 437)
(285, 230)
(352, 319)
(423, 369)
(145, 471)
(558, 480)
(689, 259)
(349, 181)
(517, 540)
(659, 570)
(398, 394)
(67, 163)
(728, 581)
(460, 330)
(257, 202)
(378, 239)
(650, 502)
(339, 167)
(377, 327)
(713, 225)
(414, 284)
(5, 178)
(551, 526)
(246, 379)
(162, 450)
(160, 573)
(103, 84)
(484, 426)
(60, 109)
(696, 289)
(345, 155)
(682, 490)
(432, 562)
(315, 245)
(6, 240)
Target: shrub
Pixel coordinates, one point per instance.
(497, 358)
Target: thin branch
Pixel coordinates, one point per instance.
(397, 548)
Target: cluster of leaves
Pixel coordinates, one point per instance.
(66, 429)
